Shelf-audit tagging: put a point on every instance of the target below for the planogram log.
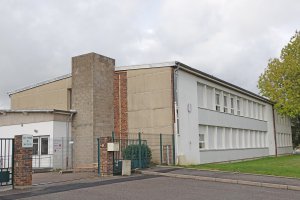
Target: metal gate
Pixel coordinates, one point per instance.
(135, 150)
(6, 161)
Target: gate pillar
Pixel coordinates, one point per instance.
(22, 164)
(106, 157)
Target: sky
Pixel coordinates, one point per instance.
(230, 39)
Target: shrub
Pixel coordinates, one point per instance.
(131, 152)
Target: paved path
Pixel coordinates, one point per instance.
(280, 181)
(55, 177)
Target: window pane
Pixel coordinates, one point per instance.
(35, 147)
(225, 101)
(44, 146)
(218, 99)
(201, 137)
(201, 145)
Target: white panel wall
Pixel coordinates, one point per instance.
(231, 154)
(283, 134)
(239, 137)
(53, 129)
(215, 118)
(188, 138)
(35, 129)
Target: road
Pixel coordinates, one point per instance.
(155, 188)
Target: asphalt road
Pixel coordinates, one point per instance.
(155, 188)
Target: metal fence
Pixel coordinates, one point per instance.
(6, 161)
(57, 153)
(60, 150)
(135, 150)
(162, 146)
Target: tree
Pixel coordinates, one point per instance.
(280, 82)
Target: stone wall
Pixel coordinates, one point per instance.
(92, 98)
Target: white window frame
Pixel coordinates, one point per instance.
(225, 106)
(39, 144)
(201, 141)
(218, 105)
(232, 104)
(238, 106)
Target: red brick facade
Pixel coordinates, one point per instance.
(23, 164)
(106, 164)
(120, 105)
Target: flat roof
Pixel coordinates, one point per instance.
(159, 65)
(38, 111)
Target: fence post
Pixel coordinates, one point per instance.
(13, 163)
(62, 153)
(113, 156)
(98, 143)
(160, 148)
(140, 151)
(173, 144)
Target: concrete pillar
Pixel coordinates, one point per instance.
(22, 165)
(92, 98)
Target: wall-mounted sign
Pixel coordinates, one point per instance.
(27, 141)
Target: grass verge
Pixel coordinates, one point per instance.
(288, 166)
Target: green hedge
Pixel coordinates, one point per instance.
(131, 152)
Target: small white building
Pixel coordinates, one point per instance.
(51, 130)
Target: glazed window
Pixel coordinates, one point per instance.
(218, 108)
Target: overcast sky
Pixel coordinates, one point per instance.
(230, 39)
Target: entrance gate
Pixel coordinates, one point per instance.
(6, 161)
(135, 150)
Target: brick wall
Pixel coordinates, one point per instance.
(106, 164)
(120, 105)
(22, 164)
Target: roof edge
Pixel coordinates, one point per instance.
(222, 82)
(146, 66)
(39, 111)
(39, 84)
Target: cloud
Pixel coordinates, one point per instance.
(231, 39)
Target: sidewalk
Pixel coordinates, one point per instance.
(227, 177)
(55, 177)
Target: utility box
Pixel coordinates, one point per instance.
(126, 167)
(113, 146)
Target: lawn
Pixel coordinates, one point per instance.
(288, 166)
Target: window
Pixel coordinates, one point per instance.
(232, 105)
(254, 110)
(217, 102)
(238, 107)
(69, 91)
(201, 141)
(44, 146)
(225, 104)
(35, 148)
(40, 145)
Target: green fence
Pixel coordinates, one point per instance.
(136, 150)
(162, 146)
(143, 149)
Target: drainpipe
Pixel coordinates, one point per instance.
(275, 138)
(68, 141)
(175, 102)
